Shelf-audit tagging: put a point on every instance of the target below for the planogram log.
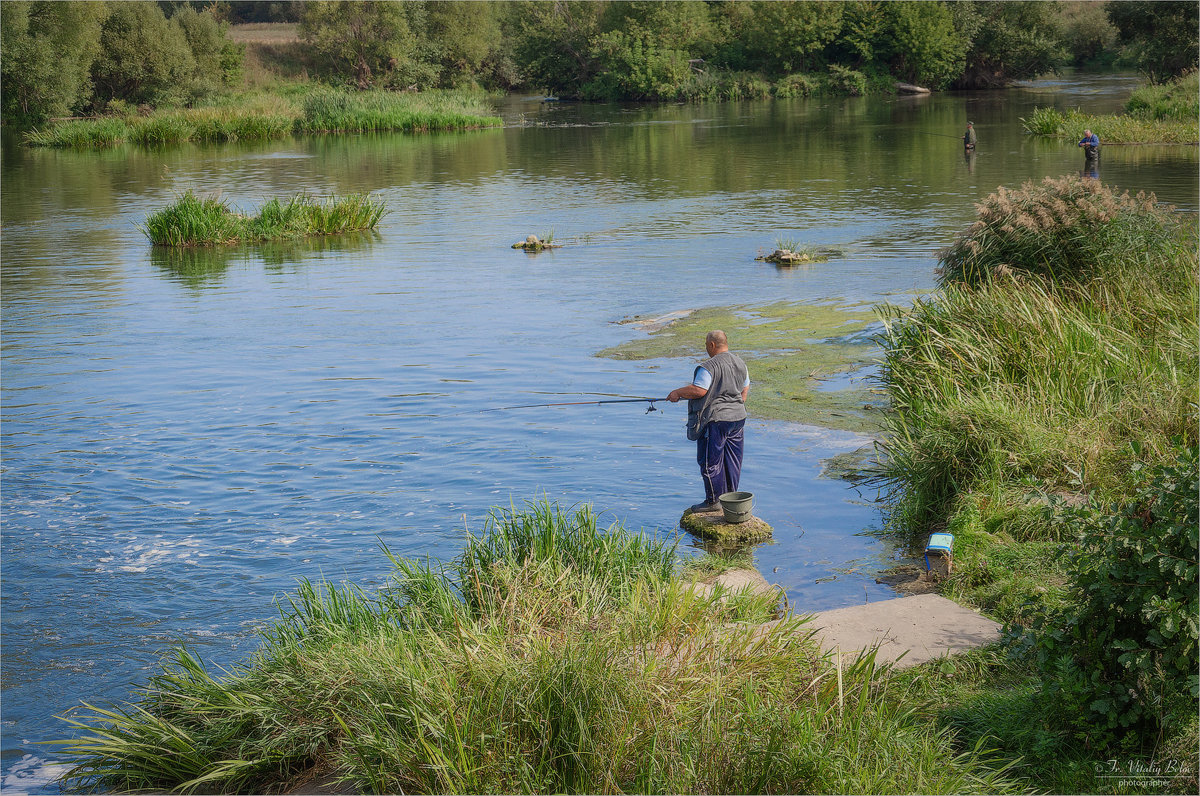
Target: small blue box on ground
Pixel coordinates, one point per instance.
(940, 544)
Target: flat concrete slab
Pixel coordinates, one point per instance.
(925, 626)
(736, 580)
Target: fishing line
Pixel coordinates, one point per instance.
(651, 408)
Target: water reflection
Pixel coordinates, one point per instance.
(204, 266)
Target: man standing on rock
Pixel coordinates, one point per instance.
(717, 417)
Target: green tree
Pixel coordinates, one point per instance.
(791, 36)
(863, 27)
(374, 40)
(646, 49)
(919, 43)
(553, 42)
(685, 25)
(1162, 36)
(463, 38)
(48, 49)
(1085, 31)
(143, 57)
(1008, 41)
(218, 60)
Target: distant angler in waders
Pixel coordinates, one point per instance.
(1091, 145)
(969, 137)
(717, 418)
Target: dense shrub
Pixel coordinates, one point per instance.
(847, 81)
(1178, 99)
(1065, 329)
(1121, 660)
(797, 85)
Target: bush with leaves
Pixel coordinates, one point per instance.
(143, 57)
(218, 61)
(1121, 660)
(48, 52)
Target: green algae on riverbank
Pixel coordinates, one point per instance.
(791, 349)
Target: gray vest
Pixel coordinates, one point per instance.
(723, 401)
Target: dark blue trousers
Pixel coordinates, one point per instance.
(719, 454)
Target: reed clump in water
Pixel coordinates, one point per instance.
(1165, 113)
(552, 656)
(208, 221)
(328, 111)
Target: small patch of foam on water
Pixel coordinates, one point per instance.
(32, 774)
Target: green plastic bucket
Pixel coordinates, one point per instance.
(737, 506)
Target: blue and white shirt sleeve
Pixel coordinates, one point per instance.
(703, 379)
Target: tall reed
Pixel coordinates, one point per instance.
(257, 118)
(550, 657)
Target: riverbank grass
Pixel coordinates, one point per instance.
(1155, 114)
(1044, 412)
(552, 656)
(209, 221)
(257, 117)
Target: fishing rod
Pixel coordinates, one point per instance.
(652, 407)
(939, 135)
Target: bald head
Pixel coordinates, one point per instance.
(715, 342)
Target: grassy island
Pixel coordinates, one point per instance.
(207, 221)
(260, 116)
(552, 656)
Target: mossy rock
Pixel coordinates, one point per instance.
(533, 243)
(712, 525)
(787, 257)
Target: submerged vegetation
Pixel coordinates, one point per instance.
(208, 221)
(1045, 413)
(791, 349)
(552, 656)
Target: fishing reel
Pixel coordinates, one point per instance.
(652, 408)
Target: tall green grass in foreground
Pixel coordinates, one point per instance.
(207, 221)
(553, 656)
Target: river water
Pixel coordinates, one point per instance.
(186, 436)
